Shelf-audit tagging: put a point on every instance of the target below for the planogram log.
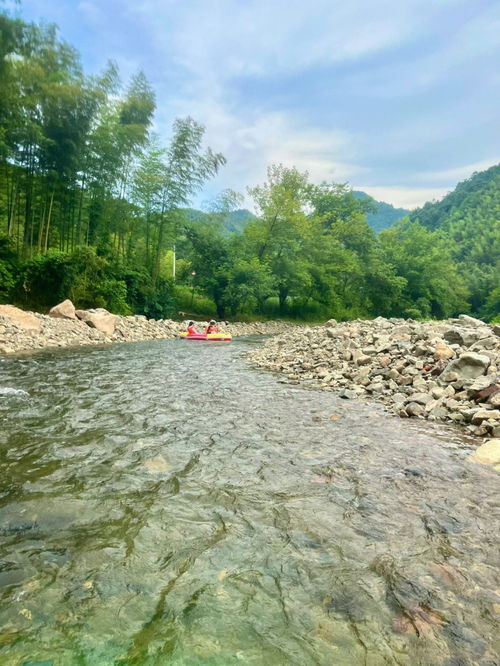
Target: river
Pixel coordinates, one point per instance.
(164, 503)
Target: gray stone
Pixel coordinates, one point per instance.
(471, 321)
(101, 321)
(494, 399)
(421, 398)
(484, 415)
(361, 359)
(414, 409)
(462, 336)
(348, 394)
(467, 366)
(439, 413)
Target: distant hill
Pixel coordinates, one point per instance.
(479, 194)
(383, 217)
(234, 222)
(237, 220)
(468, 220)
(385, 214)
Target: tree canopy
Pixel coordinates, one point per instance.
(95, 207)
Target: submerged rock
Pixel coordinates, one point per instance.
(157, 464)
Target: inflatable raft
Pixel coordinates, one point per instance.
(213, 337)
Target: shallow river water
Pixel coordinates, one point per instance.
(164, 503)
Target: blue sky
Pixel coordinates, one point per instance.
(398, 97)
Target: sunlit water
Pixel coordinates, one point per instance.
(164, 503)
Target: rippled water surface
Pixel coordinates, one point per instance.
(164, 503)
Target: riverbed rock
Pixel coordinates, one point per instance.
(64, 310)
(21, 319)
(102, 321)
(471, 321)
(406, 365)
(487, 454)
(442, 351)
(467, 366)
(157, 464)
(414, 409)
(420, 398)
(484, 415)
(465, 337)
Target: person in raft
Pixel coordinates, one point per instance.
(191, 329)
(212, 327)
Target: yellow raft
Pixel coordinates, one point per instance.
(208, 337)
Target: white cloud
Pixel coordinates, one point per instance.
(221, 39)
(456, 173)
(405, 197)
(200, 53)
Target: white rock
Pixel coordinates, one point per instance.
(64, 310)
(487, 454)
(20, 318)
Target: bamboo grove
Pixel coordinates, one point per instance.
(93, 206)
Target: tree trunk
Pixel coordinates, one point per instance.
(46, 245)
(282, 295)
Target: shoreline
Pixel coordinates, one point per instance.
(443, 371)
(23, 331)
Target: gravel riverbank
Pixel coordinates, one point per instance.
(441, 370)
(22, 331)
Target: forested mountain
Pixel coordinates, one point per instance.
(380, 216)
(93, 207)
(478, 194)
(468, 221)
(234, 221)
(383, 215)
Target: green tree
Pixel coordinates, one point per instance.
(434, 287)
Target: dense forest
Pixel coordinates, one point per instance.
(94, 207)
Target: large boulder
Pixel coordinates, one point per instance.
(471, 321)
(100, 320)
(466, 366)
(466, 336)
(487, 454)
(64, 310)
(20, 318)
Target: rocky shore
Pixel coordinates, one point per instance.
(441, 370)
(22, 331)
(445, 371)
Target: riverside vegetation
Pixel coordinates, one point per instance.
(94, 208)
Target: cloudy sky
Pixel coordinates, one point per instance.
(398, 97)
